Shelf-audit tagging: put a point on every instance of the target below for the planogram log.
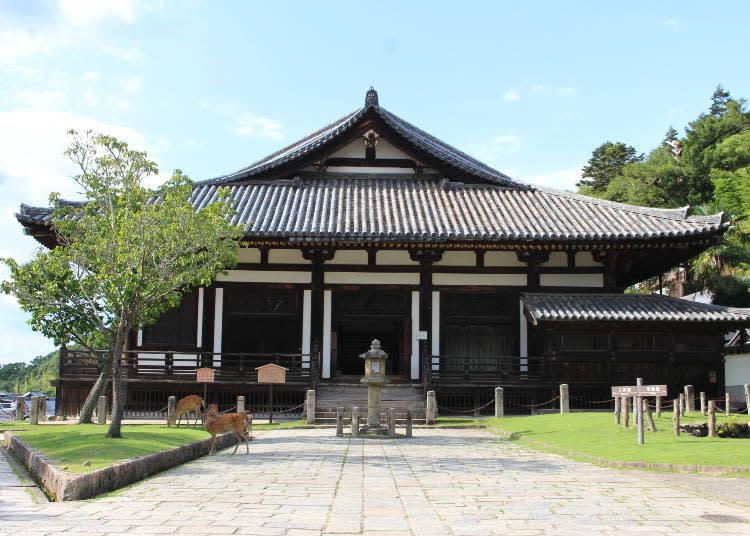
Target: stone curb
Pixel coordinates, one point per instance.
(680, 468)
(60, 485)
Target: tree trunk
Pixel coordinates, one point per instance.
(119, 393)
(96, 391)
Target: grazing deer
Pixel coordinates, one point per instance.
(234, 422)
(185, 406)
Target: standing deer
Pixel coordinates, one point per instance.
(185, 406)
(237, 423)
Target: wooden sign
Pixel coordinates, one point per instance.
(639, 390)
(271, 373)
(204, 375)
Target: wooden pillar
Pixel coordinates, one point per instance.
(533, 259)
(426, 258)
(618, 409)
(658, 406)
(318, 257)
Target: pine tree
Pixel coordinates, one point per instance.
(719, 101)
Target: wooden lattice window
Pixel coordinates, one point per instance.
(479, 324)
(372, 303)
(177, 327)
(583, 342)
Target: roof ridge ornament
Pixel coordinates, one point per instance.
(371, 98)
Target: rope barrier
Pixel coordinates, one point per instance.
(535, 405)
(470, 410)
(592, 401)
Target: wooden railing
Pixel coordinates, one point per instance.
(174, 365)
(491, 369)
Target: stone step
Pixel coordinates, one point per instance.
(359, 392)
(363, 403)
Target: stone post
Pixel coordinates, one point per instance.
(638, 410)
(409, 423)
(677, 409)
(392, 422)
(339, 422)
(711, 418)
(101, 410)
(42, 408)
(682, 404)
(310, 406)
(704, 409)
(374, 396)
(499, 403)
(355, 421)
(564, 398)
(20, 408)
(658, 406)
(727, 401)
(171, 405)
(649, 416)
(618, 409)
(747, 397)
(431, 408)
(240, 403)
(34, 417)
(625, 411)
(689, 399)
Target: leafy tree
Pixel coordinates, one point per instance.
(605, 163)
(654, 182)
(670, 136)
(719, 101)
(127, 254)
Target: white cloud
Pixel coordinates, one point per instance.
(40, 99)
(89, 97)
(511, 96)
(562, 179)
(123, 105)
(91, 11)
(499, 145)
(92, 76)
(17, 44)
(672, 22)
(567, 91)
(131, 54)
(133, 85)
(247, 124)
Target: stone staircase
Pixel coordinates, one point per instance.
(401, 397)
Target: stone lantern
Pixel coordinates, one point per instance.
(374, 379)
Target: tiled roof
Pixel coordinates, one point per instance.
(438, 149)
(415, 208)
(626, 307)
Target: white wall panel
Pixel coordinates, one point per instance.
(370, 278)
(265, 276)
(479, 279)
(571, 280)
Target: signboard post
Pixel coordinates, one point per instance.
(639, 392)
(204, 376)
(271, 374)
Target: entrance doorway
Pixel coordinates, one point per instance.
(363, 315)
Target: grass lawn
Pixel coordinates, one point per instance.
(597, 435)
(70, 445)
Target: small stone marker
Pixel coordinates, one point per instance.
(564, 398)
(747, 396)
(409, 423)
(499, 403)
(711, 418)
(310, 406)
(339, 422)
(704, 409)
(676, 416)
(625, 412)
(20, 408)
(171, 405)
(355, 421)
(658, 406)
(42, 408)
(240, 404)
(431, 408)
(689, 399)
(101, 410)
(34, 416)
(727, 401)
(392, 422)
(682, 404)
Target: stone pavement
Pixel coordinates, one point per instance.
(442, 482)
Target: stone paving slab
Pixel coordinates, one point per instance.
(441, 482)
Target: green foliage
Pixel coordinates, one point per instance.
(719, 101)
(732, 291)
(37, 375)
(605, 163)
(651, 182)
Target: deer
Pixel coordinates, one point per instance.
(185, 406)
(237, 423)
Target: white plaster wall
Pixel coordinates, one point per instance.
(585, 258)
(557, 259)
(286, 256)
(270, 276)
(250, 255)
(395, 257)
(372, 170)
(479, 279)
(386, 149)
(218, 327)
(326, 350)
(571, 280)
(502, 258)
(369, 278)
(435, 342)
(355, 149)
(349, 256)
(458, 258)
(306, 326)
(154, 360)
(737, 370)
(199, 330)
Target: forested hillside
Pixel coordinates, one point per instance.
(21, 377)
(708, 168)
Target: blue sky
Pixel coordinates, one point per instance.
(208, 87)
